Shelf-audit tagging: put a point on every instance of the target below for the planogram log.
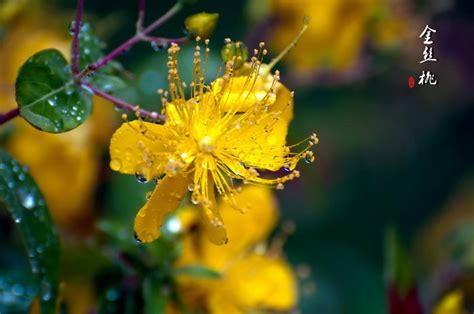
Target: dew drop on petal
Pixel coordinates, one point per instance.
(115, 164)
(137, 239)
(141, 177)
(148, 195)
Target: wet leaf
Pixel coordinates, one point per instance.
(47, 96)
(90, 51)
(26, 205)
(90, 46)
(16, 291)
(154, 297)
(197, 271)
(108, 83)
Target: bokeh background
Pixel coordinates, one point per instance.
(389, 156)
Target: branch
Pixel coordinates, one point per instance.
(136, 38)
(121, 104)
(164, 40)
(141, 15)
(75, 40)
(5, 117)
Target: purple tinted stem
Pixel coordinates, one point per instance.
(121, 104)
(141, 14)
(138, 37)
(5, 117)
(75, 40)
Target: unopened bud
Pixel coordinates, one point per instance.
(201, 24)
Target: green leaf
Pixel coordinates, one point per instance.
(90, 46)
(154, 297)
(398, 265)
(47, 96)
(26, 205)
(90, 51)
(16, 291)
(108, 83)
(198, 271)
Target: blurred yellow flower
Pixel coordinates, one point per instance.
(252, 279)
(65, 166)
(338, 30)
(228, 130)
(452, 303)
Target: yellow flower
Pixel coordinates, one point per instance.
(452, 303)
(229, 130)
(252, 279)
(65, 166)
(338, 30)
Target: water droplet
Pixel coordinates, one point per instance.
(112, 295)
(148, 195)
(40, 249)
(309, 158)
(195, 198)
(69, 89)
(17, 220)
(191, 187)
(157, 46)
(28, 201)
(87, 89)
(115, 164)
(137, 239)
(18, 289)
(52, 102)
(46, 291)
(174, 225)
(140, 177)
(72, 27)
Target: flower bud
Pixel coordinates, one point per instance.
(201, 24)
(235, 51)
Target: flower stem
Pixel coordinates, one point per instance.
(141, 15)
(136, 38)
(121, 104)
(164, 40)
(5, 117)
(75, 40)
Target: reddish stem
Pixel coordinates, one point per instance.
(75, 39)
(141, 15)
(5, 117)
(121, 104)
(138, 37)
(164, 40)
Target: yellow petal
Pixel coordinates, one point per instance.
(135, 147)
(262, 145)
(260, 282)
(219, 303)
(241, 92)
(211, 218)
(165, 198)
(259, 219)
